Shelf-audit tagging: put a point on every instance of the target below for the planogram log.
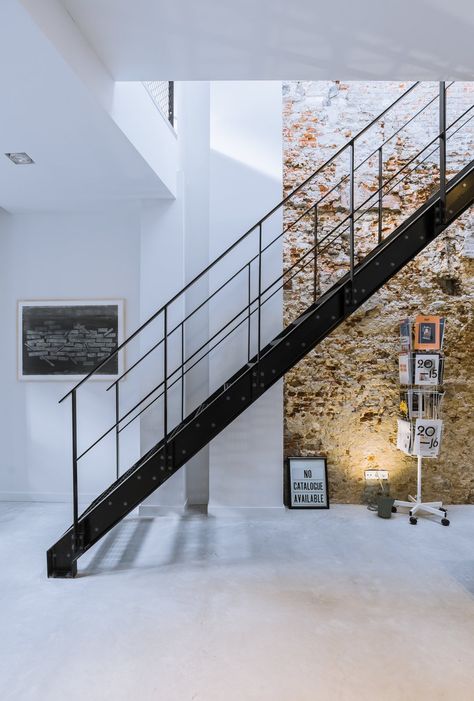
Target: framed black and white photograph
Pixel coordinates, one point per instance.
(308, 483)
(66, 339)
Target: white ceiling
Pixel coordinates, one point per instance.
(81, 156)
(280, 39)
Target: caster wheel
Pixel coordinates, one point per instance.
(394, 509)
(413, 520)
(444, 522)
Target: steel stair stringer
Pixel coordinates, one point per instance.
(252, 380)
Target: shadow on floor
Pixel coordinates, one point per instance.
(121, 547)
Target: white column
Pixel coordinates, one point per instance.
(246, 460)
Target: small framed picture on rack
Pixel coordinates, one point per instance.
(308, 483)
(428, 333)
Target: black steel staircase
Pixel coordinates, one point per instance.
(254, 280)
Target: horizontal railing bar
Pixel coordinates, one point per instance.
(98, 441)
(372, 196)
(246, 310)
(265, 248)
(381, 188)
(283, 276)
(238, 241)
(114, 353)
(176, 370)
(186, 318)
(189, 369)
(410, 170)
(157, 345)
(405, 124)
(338, 153)
(343, 179)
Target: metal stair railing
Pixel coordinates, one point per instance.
(253, 268)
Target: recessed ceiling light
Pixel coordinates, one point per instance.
(20, 159)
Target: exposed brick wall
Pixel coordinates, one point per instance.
(342, 400)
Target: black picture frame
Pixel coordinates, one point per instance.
(289, 486)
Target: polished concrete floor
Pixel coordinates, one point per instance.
(323, 605)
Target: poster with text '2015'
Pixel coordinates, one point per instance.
(308, 483)
(427, 369)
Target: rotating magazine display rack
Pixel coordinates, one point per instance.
(421, 367)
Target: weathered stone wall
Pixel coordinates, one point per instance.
(342, 399)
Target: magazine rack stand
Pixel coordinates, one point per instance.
(420, 431)
(419, 507)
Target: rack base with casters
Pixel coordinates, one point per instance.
(417, 507)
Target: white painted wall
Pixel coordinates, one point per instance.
(174, 249)
(161, 277)
(73, 69)
(246, 460)
(58, 256)
(194, 108)
(231, 161)
(230, 158)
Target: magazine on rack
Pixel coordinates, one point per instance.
(423, 404)
(416, 404)
(404, 436)
(404, 368)
(405, 335)
(427, 333)
(427, 437)
(404, 404)
(442, 324)
(428, 369)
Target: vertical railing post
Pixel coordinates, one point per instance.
(259, 309)
(171, 102)
(315, 266)
(182, 371)
(117, 429)
(249, 318)
(380, 189)
(442, 146)
(351, 205)
(165, 380)
(75, 498)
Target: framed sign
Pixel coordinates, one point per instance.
(308, 483)
(66, 339)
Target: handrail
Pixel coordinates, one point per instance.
(238, 241)
(283, 277)
(257, 299)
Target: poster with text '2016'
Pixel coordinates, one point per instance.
(308, 483)
(427, 437)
